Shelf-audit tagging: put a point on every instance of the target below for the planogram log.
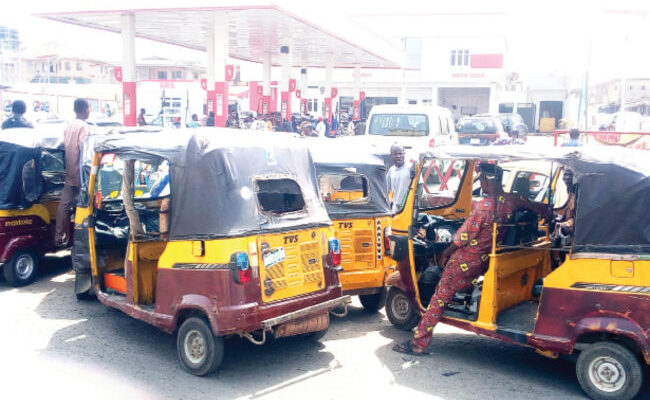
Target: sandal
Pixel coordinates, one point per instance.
(407, 348)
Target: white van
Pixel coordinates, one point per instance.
(412, 126)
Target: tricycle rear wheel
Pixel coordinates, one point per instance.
(400, 310)
(609, 371)
(199, 351)
(22, 268)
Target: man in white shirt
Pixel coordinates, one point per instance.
(398, 178)
(320, 127)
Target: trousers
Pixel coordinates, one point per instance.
(460, 272)
(62, 231)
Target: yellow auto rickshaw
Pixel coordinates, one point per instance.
(353, 187)
(229, 239)
(594, 307)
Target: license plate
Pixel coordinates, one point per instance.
(475, 141)
(274, 256)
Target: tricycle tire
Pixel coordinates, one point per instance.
(372, 302)
(21, 269)
(400, 310)
(609, 371)
(199, 351)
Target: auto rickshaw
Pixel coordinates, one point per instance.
(31, 183)
(353, 188)
(594, 307)
(229, 239)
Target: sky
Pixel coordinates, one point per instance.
(541, 37)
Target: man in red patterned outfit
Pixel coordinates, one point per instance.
(468, 256)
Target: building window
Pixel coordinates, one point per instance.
(466, 57)
(453, 58)
(177, 75)
(162, 74)
(67, 65)
(78, 66)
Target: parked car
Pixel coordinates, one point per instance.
(511, 121)
(479, 130)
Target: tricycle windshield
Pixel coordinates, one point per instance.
(440, 181)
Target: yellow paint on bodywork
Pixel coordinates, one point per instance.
(597, 271)
(362, 268)
(38, 210)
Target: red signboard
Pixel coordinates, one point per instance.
(260, 89)
(117, 71)
(230, 72)
(486, 60)
(356, 110)
(335, 92)
(204, 84)
(362, 95)
(327, 111)
(292, 85)
(298, 93)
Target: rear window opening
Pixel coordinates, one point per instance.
(279, 196)
(476, 125)
(343, 188)
(399, 125)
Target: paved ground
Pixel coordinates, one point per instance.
(53, 346)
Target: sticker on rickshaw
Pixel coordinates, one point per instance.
(273, 256)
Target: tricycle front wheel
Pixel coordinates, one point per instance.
(400, 310)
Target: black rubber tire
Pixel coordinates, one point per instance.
(372, 302)
(405, 320)
(625, 358)
(211, 345)
(10, 269)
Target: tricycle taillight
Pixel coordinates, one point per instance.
(335, 251)
(240, 267)
(387, 233)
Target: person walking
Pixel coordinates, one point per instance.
(232, 121)
(74, 135)
(321, 128)
(17, 120)
(141, 120)
(194, 122)
(574, 139)
(210, 120)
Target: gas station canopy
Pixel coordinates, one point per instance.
(253, 30)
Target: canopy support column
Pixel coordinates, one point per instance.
(329, 70)
(217, 52)
(304, 86)
(129, 104)
(285, 94)
(356, 96)
(266, 83)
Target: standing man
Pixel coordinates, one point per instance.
(17, 120)
(321, 128)
(467, 257)
(210, 120)
(232, 122)
(574, 139)
(75, 133)
(398, 178)
(141, 120)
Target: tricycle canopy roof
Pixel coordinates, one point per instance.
(331, 158)
(612, 214)
(21, 182)
(215, 179)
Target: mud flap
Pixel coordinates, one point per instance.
(81, 260)
(314, 323)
